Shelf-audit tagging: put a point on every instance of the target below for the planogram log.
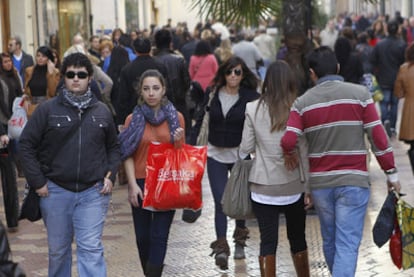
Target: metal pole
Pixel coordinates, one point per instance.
(382, 7)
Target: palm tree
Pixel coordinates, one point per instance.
(239, 12)
(251, 12)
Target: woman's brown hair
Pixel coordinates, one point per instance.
(278, 93)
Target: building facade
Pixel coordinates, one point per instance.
(55, 22)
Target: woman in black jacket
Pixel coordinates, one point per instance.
(10, 88)
(233, 86)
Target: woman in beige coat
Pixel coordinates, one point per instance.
(404, 88)
(274, 189)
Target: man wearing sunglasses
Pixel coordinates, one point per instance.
(70, 155)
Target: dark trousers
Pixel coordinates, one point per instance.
(268, 219)
(151, 232)
(217, 175)
(9, 187)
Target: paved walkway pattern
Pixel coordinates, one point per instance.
(188, 251)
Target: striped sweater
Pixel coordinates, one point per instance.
(334, 116)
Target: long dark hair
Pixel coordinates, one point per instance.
(278, 93)
(119, 58)
(249, 80)
(14, 70)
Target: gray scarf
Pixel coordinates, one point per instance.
(80, 101)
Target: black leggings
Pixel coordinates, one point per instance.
(268, 219)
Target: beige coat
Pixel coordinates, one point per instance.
(404, 88)
(268, 166)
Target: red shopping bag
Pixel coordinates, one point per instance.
(173, 176)
(396, 246)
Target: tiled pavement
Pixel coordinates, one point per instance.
(188, 251)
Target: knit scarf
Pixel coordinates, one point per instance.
(132, 135)
(80, 101)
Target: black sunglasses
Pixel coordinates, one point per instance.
(238, 72)
(80, 74)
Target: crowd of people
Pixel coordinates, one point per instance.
(93, 114)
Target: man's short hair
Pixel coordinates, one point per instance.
(163, 38)
(93, 37)
(323, 61)
(17, 40)
(142, 45)
(392, 27)
(77, 60)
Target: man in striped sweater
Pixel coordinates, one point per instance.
(334, 116)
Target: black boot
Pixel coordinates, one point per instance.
(411, 158)
(153, 270)
(240, 236)
(221, 252)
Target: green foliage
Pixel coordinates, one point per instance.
(239, 12)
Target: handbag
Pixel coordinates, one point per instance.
(396, 245)
(370, 81)
(173, 176)
(202, 138)
(30, 209)
(18, 119)
(236, 201)
(405, 216)
(384, 224)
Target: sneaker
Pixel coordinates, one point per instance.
(239, 252)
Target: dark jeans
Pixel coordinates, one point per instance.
(151, 232)
(389, 107)
(268, 219)
(217, 175)
(9, 186)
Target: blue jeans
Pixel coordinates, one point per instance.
(68, 214)
(151, 232)
(389, 107)
(217, 176)
(341, 212)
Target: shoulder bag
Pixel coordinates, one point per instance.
(202, 138)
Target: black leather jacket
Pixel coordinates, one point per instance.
(87, 156)
(178, 79)
(386, 58)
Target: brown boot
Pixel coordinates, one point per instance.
(221, 252)
(262, 266)
(301, 262)
(240, 236)
(267, 266)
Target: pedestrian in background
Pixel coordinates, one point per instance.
(21, 60)
(74, 180)
(203, 64)
(333, 117)
(41, 80)
(10, 88)
(233, 86)
(178, 78)
(386, 58)
(154, 118)
(404, 88)
(275, 190)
